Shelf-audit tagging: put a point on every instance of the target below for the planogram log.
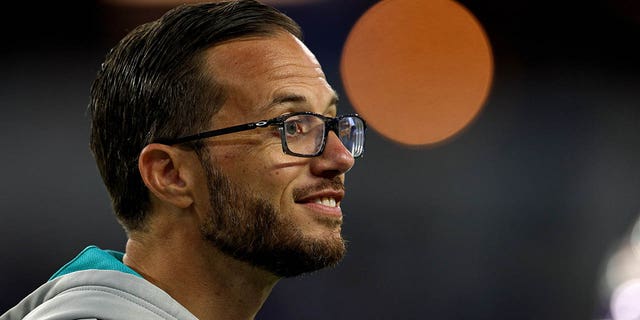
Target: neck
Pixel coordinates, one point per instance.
(210, 284)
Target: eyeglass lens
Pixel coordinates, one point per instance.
(351, 133)
(305, 134)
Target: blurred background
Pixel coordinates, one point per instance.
(529, 213)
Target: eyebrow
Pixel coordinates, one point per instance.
(298, 99)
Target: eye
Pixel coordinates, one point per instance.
(293, 127)
(303, 126)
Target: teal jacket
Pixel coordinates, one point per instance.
(97, 285)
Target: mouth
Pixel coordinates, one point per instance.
(328, 198)
(325, 202)
(323, 198)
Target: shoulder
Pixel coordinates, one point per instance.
(98, 294)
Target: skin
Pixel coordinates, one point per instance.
(271, 76)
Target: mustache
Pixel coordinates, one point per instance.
(332, 184)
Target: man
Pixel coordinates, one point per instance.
(217, 136)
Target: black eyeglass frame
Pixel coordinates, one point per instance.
(330, 124)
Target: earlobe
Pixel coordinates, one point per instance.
(160, 168)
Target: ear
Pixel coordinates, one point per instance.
(164, 171)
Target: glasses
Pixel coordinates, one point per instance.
(303, 134)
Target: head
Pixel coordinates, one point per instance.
(210, 66)
(154, 84)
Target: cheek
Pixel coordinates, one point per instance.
(276, 179)
(267, 171)
(279, 183)
(262, 179)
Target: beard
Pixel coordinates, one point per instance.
(249, 228)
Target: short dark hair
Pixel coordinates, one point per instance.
(153, 84)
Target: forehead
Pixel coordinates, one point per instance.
(258, 72)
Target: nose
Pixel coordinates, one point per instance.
(334, 160)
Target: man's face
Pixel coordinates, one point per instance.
(273, 210)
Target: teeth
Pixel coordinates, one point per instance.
(329, 202)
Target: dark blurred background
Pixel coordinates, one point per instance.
(515, 218)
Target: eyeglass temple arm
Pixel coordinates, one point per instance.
(213, 133)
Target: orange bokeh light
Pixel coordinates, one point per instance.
(417, 71)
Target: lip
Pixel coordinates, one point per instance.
(309, 202)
